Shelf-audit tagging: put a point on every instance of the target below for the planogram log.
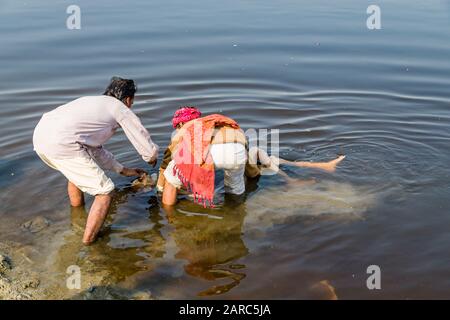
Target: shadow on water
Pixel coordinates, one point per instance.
(128, 258)
(146, 247)
(210, 243)
(105, 262)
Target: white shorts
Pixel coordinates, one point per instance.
(83, 172)
(231, 157)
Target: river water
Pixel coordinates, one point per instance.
(312, 70)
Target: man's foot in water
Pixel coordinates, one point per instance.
(331, 165)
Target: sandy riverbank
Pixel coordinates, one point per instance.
(38, 271)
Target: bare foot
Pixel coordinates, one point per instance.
(88, 242)
(331, 165)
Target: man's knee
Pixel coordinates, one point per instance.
(109, 194)
(103, 187)
(76, 202)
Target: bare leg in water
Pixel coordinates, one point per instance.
(97, 214)
(329, 166)
(272, 163)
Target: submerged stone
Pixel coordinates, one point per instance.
(36, 225)
(5, 264)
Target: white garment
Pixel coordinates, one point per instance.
(231, 157)
(84, 125)
(83, 172)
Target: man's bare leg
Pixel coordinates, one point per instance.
(256, 154)
(76, 196)
(329, 166)
(271, 162)
(97, 216)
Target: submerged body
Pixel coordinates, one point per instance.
(215, 142)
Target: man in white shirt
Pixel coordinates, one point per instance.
(70, 139)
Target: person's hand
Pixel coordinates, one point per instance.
(132, 172)
(153, 163)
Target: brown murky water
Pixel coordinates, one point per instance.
(312, 70)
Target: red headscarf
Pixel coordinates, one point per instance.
(185, 114)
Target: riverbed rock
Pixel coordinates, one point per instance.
(5, 264)
(28, 253)
(13, 290)
(36, 225)
(100, 293)
(145, 180)
(142, 295)
(32, 283)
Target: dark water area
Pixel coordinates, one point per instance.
(311, 69)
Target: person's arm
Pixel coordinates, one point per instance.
(105, 159)
(165, 162)
(169, 196)
(171, 185)
(138, 136)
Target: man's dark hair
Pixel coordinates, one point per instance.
(121, 88)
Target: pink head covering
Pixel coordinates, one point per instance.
(185, 114)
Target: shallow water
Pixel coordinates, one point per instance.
(312, 70)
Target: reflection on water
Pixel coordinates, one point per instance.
(210, 245)
(308, 68)
(207, 246)
(207, 242)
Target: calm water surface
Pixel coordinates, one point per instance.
(308, 68)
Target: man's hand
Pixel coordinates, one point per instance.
(132, 172)
(153, 163)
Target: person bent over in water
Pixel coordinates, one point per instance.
(201, 145)
(228, 149)
(70, 139)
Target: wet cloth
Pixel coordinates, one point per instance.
(231, 157)
(258, 163)
(83, 171)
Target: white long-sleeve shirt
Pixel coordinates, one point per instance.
(85, 124)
